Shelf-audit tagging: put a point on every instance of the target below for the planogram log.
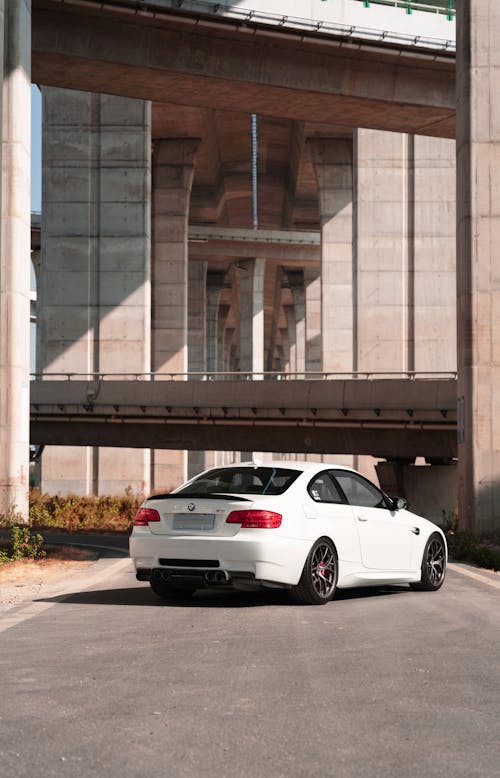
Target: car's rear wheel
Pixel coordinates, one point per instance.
(318, 581)
(433, 565)
(168, 592)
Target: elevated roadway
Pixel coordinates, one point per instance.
(162, 52)
(388, 417)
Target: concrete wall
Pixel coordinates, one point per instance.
(431, 490)
(94, 296)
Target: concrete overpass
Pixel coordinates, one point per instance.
(215, 61)
(388, 417)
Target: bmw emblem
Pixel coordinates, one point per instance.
(191, 506)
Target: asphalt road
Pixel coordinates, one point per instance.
(109, 681)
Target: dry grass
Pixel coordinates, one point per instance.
(83, 514)
(59, 559)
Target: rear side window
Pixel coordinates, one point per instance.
(323, 489)
(358, 490)
(242, 480)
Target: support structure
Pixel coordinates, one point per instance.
(478, 233)
(173, 168)
(15, 59)
(252, 315)
(333, 162)
(94, 299)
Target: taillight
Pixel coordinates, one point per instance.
(144, 516)
(251, 519)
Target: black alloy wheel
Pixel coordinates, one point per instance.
(433, 565)
(318, 581)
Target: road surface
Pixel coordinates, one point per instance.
(108, 680)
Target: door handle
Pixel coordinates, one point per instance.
(415, 530)
(362, 518)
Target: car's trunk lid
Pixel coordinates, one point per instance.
(183, 515)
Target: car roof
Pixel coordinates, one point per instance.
(291, 464)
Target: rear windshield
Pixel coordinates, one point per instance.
(241, 480)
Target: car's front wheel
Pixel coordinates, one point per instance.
(318, 581)
(168, 592)
(433, 565)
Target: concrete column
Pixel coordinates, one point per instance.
(299, 324)
(95, 294)
(384, 315)
(15, 58)
(332, 160)
(312, 294)
(215, 315)
(292, 338)
(434, 255)
(173, 169)
(212, 337)
(197, 306)
(478, 276)
(252, 315)
(197, 299)
(405, 252)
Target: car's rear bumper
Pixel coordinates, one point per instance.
(277, 560)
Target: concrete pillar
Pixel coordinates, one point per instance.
(197, 298)
(405, 252)
(434, 255)
(313, 343)
(197, 305)
(15, 57)
(383, 260)
(95, 294)
(252, 315)
(478, 276)
(173, 169)
(292, 338)
(216, 316)
(296, 282)
(332, 160)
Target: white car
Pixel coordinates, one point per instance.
(302, 526)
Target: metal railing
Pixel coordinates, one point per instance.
(285, 23)
(445, 7)
(249, 376)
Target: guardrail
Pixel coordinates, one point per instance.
(245, 376)
(445, 7)
(228, 11)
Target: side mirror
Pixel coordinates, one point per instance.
(399, 503)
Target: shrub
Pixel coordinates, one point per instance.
(23, 545)
(465, 547)
(83, 514)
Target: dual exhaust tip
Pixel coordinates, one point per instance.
(217, 576)
(209, 577)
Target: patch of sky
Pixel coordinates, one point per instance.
(36, 149)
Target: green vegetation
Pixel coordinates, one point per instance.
(83, 514)
(23, 545)
(466, 548)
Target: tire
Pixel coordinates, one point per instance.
(318, 581)
(433, 565)
(168, 592)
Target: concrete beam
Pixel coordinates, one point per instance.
(236, 67)
(404, 397)
(223, 436)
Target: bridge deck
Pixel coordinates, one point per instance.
(384, 417)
